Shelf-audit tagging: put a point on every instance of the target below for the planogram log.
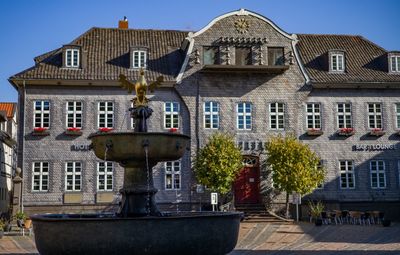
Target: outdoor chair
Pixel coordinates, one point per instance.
(355, 217)
(337, 216)
(25, 226)
(345, 216)
(325, 219)
(366, 218)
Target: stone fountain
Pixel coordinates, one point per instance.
(139, 227)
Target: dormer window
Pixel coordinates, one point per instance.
(336, 61)
(139, 58)
(394, 62)
(211, 55)
(71, 58)
(275, 56)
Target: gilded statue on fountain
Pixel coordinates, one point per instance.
(140, 111)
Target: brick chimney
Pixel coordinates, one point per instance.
(123, 24)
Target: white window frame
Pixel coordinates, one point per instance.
(375, 116)
(337, 62)
(277, 115)
(245, 115)
(349, 173)
(175, 172)
(75, 176)
(346, 114)
(104, 114)
(74, 114)
(106, 169)
(395, 64)
(320, 165)
(211, 115)
(42, 114)
(377, 172)
(42, 174)
(171, 114)
(313, 116)
(397, 112)
(74, 59)
(139, 59)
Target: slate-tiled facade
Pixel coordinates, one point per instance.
(304, 77)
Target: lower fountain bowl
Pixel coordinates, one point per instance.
(180, 233)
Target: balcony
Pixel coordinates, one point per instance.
(244, 69)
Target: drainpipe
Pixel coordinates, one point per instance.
(23, 144)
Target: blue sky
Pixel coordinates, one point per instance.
(29, 28)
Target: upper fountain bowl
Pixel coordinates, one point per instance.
(128, 147)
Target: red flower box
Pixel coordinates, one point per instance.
(73, 131)
(377, 132)
(105, 130)
(314, 132)
(173, 130)
(39, 129)
(346, 131)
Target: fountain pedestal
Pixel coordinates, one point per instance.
(138, 192)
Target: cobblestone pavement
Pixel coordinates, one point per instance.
(281, 239)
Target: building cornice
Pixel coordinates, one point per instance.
(356, 85)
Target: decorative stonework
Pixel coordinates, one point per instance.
(242, 26)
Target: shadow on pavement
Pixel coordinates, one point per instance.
(308, 252)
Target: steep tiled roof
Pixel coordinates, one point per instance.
(365, 61)
(8, 108)
(106, 56)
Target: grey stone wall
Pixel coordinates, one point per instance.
(56, 148)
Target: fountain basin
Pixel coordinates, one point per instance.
(211, 233)
(126, 147)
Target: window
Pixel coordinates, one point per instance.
(210, 55)
(72, 58)
(211, 115)
(139, 59)
(276, 116)
(243, 111)
(275, 57)
(313, 113)
(347, 174)
(73, 178)
(398, 116)
(344, 116)
(105, 176)
(374, 116)
(105, 115)
(42, 114)
(395, 63)
(171, 115)
(243, 56)
(172, 175)
(337, 62)
(74, 114)
(40, 178)
(378, 175)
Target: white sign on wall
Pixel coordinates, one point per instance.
(214, 198)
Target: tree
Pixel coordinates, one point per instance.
(295, 167)
(217, 164)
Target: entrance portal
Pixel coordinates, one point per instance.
(247, 184)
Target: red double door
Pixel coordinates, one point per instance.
(247, 183)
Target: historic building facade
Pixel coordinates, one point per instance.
(8, 154)
(240, 74)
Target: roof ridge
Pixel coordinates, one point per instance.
(348, 35)
(143, 29)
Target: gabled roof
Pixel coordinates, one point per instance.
(106, 55)
(365, 61)
(9, 109)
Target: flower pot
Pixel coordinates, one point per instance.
(386, 223)
(318, 222)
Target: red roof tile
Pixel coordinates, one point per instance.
(9, 108)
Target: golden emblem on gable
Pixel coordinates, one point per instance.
(242, 26)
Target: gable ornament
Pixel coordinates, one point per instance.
(242, 26)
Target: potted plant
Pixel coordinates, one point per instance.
(105, 129)
(316, 209)
(2, 227)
